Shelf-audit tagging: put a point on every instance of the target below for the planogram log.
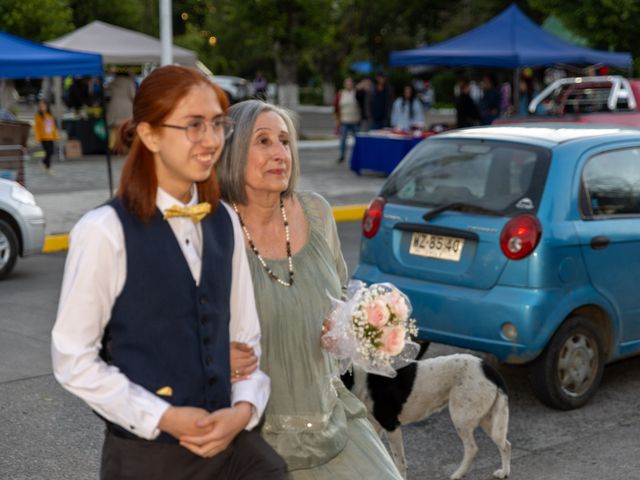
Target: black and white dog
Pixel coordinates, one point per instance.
(473, 390)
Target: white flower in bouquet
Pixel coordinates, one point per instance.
(372, 329)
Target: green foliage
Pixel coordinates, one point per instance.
(315, 41)
(607, 24)
(124, 13)
(443, 83)
(311, 95)
(37, 20)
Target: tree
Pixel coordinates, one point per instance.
(124, 13)
(282, 31)
(37, 20)
(607, 24)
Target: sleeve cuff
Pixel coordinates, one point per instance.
(151, 409)
(255, 391)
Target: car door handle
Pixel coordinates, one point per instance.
(599, 242)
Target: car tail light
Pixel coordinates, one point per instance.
(372, 217)
(520, 236)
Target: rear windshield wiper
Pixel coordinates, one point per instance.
(460, 206)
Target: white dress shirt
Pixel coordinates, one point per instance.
(95, 273)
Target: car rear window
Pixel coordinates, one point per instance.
(504, 177)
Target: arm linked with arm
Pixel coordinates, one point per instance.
(244, 327)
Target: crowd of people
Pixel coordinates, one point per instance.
(481, 105)
(371, 105)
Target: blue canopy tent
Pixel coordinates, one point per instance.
(509, 40)
(20, 58)
(361, 67)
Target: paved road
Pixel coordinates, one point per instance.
(49, 434)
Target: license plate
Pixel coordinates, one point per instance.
(436, 246)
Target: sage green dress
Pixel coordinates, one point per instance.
(312, 420)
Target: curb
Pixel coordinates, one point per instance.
(348, 213)
(345, 213)
(55, 243)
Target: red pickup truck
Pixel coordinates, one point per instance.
(611, 99)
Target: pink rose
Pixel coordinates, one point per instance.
(377, 313)
(398, 304)
(392, 340)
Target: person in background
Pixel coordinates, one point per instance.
(407, 113)
(317, 425)
(381, 99)
(467, 113)
(45, 131)
(155, 287)
(347, 111)
(363, 92)
(490, 102)
(527, 93)
(428, 95)
(260, 86)
(506, 108)
(78, 95)
(524, 97)
(95, 90)
(121, 92)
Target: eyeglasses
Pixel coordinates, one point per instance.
(197, 128)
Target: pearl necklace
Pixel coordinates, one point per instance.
(257, 254)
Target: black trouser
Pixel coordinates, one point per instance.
(48, 152)
(248, 457)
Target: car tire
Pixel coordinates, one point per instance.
(8, 249)
(568, 372)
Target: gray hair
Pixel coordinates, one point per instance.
(232, 166)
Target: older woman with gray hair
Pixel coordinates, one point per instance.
(312, 420)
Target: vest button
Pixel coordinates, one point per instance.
(208, 360)
(212, 381)
(205, 340)
(203, 320)
(203, 300)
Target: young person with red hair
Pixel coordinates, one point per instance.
(155, 288)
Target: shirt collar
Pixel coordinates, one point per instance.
(164, 200)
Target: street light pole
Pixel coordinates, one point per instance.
(166, 32)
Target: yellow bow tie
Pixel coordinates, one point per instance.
(195, 212)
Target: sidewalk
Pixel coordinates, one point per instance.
(75, 186)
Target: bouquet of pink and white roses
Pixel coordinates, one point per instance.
(372, 329)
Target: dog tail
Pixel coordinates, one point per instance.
(499, 411)
(494, 376)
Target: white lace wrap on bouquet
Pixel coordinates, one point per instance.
(372, 329)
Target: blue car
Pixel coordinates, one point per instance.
(521, 241)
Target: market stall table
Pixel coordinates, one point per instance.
(84, 129)
(381, 150)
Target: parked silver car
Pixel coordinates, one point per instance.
(236, 88)
(21, 225)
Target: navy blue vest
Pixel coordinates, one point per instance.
(166, 331)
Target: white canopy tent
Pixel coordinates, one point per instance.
(119, 46)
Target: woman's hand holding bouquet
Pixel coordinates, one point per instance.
(371, 329)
